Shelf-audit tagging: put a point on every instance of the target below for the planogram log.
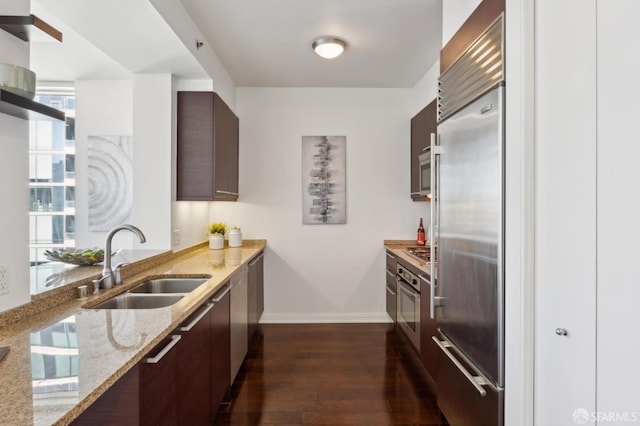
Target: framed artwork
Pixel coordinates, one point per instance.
(110, 191)
(324, 189)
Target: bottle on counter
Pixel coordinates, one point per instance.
(421, 235)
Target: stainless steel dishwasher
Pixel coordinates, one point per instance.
(239, 320)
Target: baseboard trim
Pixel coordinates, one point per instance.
(309, 318)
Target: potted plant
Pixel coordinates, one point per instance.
(216, 235)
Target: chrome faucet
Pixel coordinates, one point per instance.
(108, 279)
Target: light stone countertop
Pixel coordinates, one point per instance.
(97, 347)
(396, 247)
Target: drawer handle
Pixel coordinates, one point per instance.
(393, 293)
(257, 259)
(156, 359)
(224, 290)
(227, 192)
(477, 381)
(198, 318)
(391, 256)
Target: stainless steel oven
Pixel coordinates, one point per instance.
(408, 299)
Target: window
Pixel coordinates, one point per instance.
(52, 177)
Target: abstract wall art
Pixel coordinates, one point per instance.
(110, 181)
(324, 189)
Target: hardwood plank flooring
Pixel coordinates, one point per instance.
(330, 374)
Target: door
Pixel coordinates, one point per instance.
(565, 214)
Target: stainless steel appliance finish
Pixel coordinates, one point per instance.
(239, 320)
(469, 226)
(424, 173)
(408, 299)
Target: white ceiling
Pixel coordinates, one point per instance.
(391, 43)
(265, 43)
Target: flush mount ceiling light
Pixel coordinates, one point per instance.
(329, 47)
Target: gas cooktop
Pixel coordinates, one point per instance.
(422, 253)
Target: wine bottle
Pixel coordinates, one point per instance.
(421, 236)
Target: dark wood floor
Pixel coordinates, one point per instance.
(330, 374)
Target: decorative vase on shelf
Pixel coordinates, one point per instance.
(216, 241)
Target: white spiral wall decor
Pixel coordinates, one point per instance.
(110, 181)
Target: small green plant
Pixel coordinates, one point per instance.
(217, 228)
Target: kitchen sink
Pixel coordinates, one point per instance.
(169, 285)
(139, 301)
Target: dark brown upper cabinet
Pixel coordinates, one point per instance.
(422, 125)
(207, 154)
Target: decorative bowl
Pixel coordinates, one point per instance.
(18, 80)
(81, 257)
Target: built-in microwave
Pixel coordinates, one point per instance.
(424, 169)
(424, 172)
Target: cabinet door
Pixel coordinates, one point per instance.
(391, 285)
(159, 385)
(226, 151)
(255, 294)
(207, 148)
(428, 328)
(422, 125)
(392, 295)
(195, 148)
(124, 395)
(194, 385)
(239, 321)
(565, 213)
(220, 349)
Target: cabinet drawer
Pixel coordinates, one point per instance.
(391, 262)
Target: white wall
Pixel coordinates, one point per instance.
(618, 209)
(324, 272)
(454, 13)
(14, 175)
(152, 152)
(103, 108)
(426, 90)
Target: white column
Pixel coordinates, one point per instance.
(152, 146)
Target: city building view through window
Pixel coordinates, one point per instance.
(52, 177)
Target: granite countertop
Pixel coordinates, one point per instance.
(63, 358)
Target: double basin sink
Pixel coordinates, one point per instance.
(153, 293)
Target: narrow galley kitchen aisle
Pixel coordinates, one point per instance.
(340, 374)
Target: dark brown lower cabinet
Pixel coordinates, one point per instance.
(159, 384)
(179, 382)
(194, 383)
(220, 348)
(255, 294)
(146, 395)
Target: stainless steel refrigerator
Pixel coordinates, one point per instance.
(469, 225)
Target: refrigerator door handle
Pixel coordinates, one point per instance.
(477, 381)
(433, 225)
